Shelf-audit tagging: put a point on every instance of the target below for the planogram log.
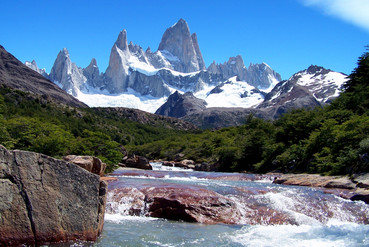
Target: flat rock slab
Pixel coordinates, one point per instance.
(338, 185)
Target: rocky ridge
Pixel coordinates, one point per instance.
(315, 86)
(14, 74)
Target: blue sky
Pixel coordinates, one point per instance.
(289, 35)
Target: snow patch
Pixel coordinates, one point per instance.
(129, 99)
(169, 56)
(231, 95)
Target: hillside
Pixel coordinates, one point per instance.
(14, 74)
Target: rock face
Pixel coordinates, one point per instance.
(89, 163)
(181, 49)
(14, 74)
(260, 76)
(44, 200)
(179, 105)
(67, 74)
(92, 74)
(117, 72)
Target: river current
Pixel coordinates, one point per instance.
(314, 217)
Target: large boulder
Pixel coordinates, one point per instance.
(190, 204)
(138, 162)
(44, 200)
(89, 163)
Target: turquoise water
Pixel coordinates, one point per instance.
(320, 219)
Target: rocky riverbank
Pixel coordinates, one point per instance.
(44, 200)
(355, 188)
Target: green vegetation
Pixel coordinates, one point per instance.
(329, 140)
(332, 140)
(34, 124)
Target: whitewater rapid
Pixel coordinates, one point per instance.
(318, 219)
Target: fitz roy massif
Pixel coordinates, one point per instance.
(163, 80)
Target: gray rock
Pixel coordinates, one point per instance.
(67, 74)
(179, 48)
(148, 85)
(200, 59)
(45, 200)
(260, 76)
(179, 105)
(92, 74)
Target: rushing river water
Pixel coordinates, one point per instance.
(268, 214)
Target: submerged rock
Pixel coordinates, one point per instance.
(44, 200)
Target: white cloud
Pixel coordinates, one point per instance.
(354, 11)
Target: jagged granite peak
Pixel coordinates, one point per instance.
(233, 67)
(179, 105)
(33, 65)
(258, 75)
(138, 52)
(213, 68)
(315, 69)
(177, 41)
(92, 74)
(200, 59)
(67, 74)
(117, 72)
(14, 74)
(262, 76)
(122, 40)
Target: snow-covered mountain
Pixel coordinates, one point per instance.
(144, 79)
(308, 88)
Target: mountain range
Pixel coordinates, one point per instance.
(174, 81)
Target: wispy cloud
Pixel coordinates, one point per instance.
(354, 11)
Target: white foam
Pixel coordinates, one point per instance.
(348, 234)
(117, 218)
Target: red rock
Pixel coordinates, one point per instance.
(89, 163)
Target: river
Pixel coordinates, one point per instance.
(265, 214)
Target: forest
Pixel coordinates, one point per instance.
(333, 139)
